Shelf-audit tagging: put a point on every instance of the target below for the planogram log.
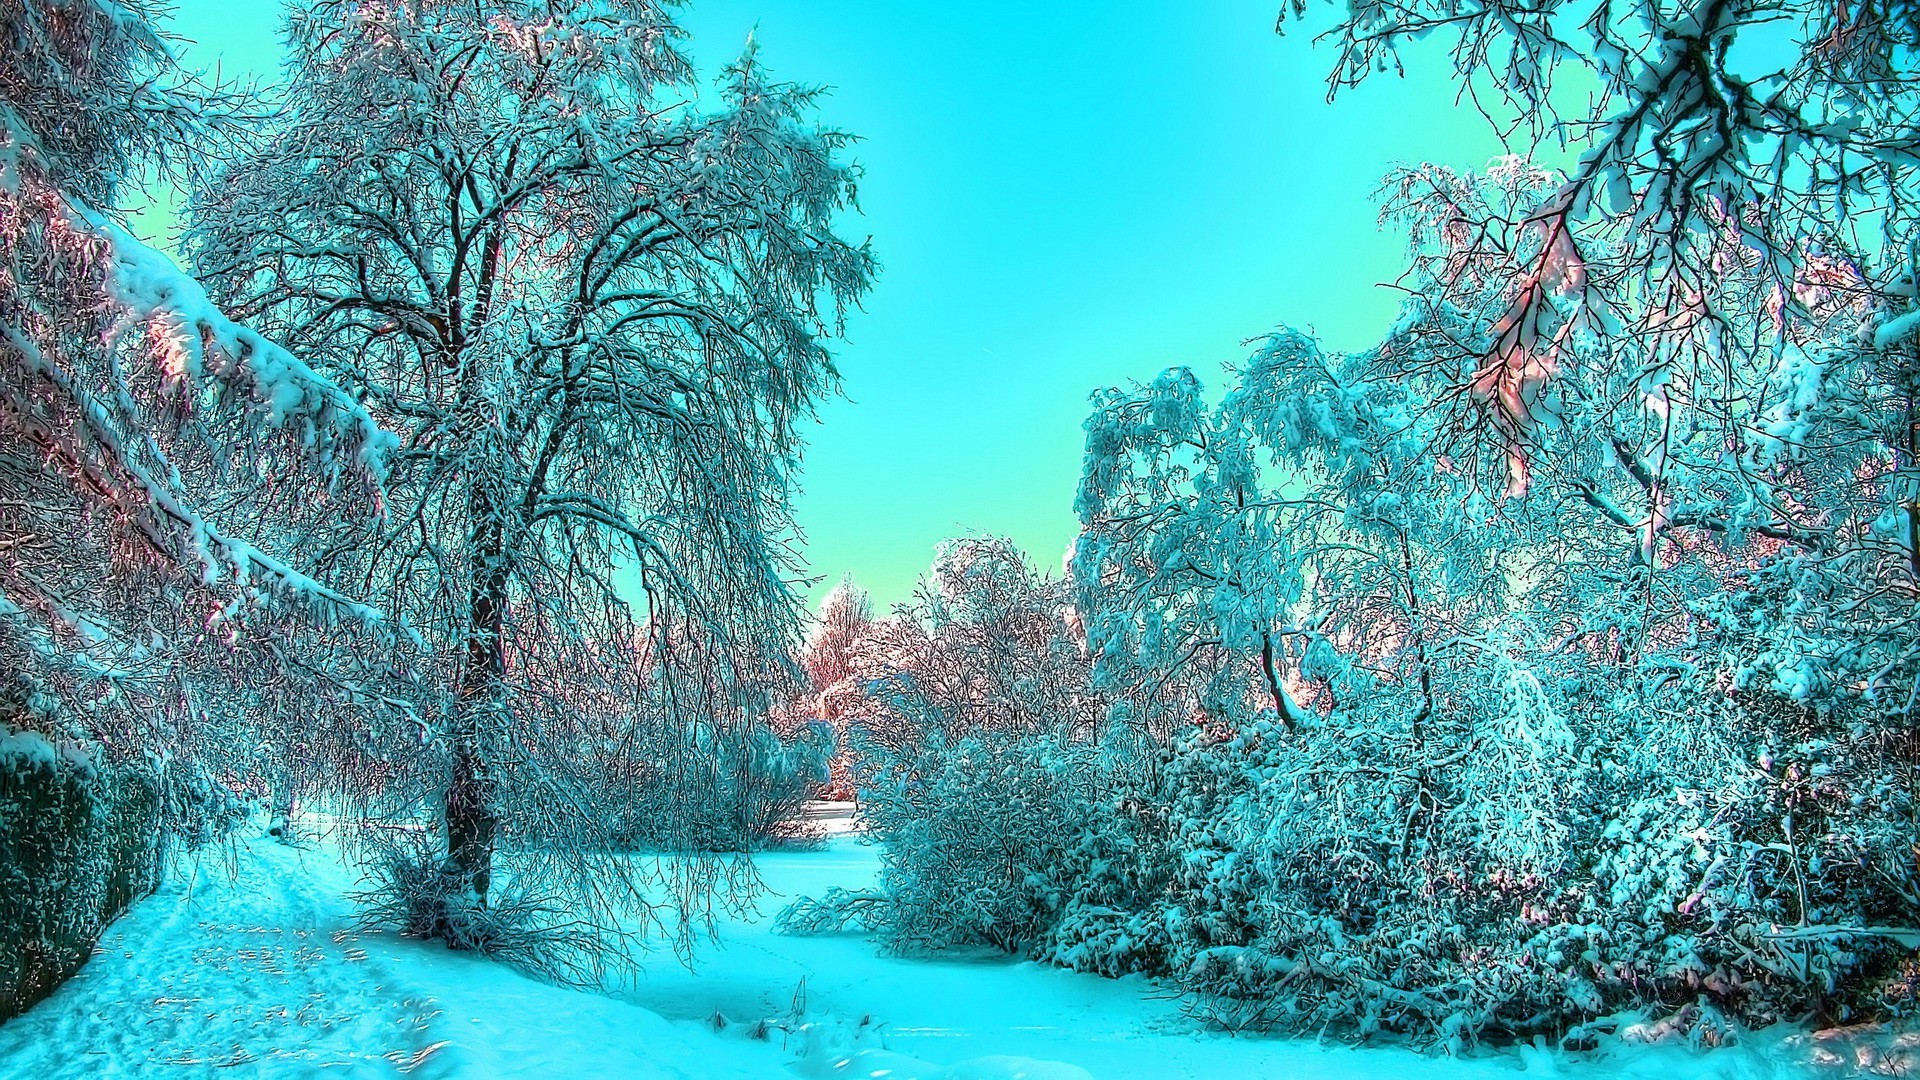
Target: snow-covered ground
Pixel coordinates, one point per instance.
(251, 964)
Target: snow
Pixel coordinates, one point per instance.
(151, 288)
(249, 959)
(34, 750)
(155, 296)
(1896, 331)
(261, 968)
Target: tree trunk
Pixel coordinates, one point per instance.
(472, 821)
(281, 828)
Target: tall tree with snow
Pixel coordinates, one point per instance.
(593, 312)
(1707, 326)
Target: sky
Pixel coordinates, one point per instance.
(1064, 196)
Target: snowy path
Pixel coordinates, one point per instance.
(255, 970)
(261, 972)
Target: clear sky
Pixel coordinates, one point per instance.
(1065, 195)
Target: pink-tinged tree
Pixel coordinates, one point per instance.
(1706, 327)
(593, 312)
(835, 693)
(1772, 136)
(160, 461)
(986, 644)
(845, 618)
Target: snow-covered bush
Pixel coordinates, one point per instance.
(777, 779)
(1029, 842)
(1327, 880)
(986, 836)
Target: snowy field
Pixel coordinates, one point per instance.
(250, 967)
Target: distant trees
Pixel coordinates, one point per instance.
(833, 690)
(845, 618)
(594, 317)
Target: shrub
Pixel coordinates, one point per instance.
(1543, 864)
(1022, 842)
(1324, 882)
(518, 922)
(79, 843)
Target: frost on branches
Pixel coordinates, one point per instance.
(596, 317)
(162, 650)
(156, 454)
(1631, 734)
(1389, 733)
(1551, 758)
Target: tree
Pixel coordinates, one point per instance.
(846, 615)
(844, 621)
(1784, 128)
(593, 315)
(1707, 325)
(160, 459)
(986, 644)
(1181, 566)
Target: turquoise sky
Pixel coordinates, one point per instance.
(1065, 195)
